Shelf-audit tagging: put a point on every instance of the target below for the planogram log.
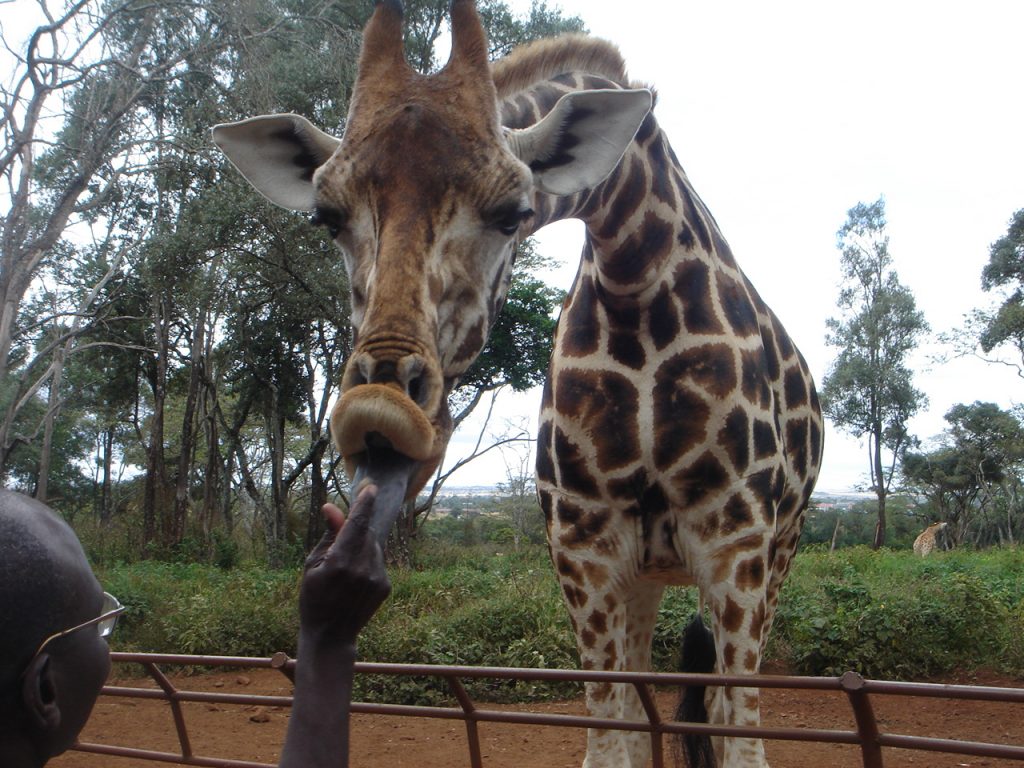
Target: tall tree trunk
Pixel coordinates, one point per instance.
(398, 550)
(211, 476)
(106, 500)
(315, 525)
(879, 540)
(153, 513)
(52, 409)
(183, 485)
(278, 532)
(878, 470)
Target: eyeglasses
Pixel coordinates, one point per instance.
(105, 622)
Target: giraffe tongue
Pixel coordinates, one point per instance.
(390, 471)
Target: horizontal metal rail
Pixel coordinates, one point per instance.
(857, 690)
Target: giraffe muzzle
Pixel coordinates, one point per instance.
(378, 416)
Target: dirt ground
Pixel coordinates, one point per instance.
(245, 732)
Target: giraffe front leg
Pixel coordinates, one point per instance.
(614, 626)
(739, 607)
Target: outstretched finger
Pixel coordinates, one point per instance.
(355, 533)
(361, 508)
(333, 515)
(335, 520)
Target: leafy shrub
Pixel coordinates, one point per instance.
(896, 615)
(194, 609)
(883, 614)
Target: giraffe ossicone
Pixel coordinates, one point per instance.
(680, 433)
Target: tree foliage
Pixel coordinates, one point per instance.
(971, 478)
(1004, 273)
(168, 339)
(869, 390)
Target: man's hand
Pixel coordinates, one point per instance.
(345, 581)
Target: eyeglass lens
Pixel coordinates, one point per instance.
(110, 603)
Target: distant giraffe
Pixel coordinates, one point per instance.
(926, 541)
(680, 433)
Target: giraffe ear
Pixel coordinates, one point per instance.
(277, 154)
(579, 142)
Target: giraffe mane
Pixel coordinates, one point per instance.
(543, 59)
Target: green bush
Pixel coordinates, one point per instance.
(883, 614)
(895, 615)
(195, 609)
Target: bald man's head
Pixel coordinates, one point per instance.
(46, 587)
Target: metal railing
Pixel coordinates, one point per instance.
(868, 734)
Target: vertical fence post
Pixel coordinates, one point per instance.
(654, 718)
(867, 727)
(476, 759)
(179, 717)
(279, 661)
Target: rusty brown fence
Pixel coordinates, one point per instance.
(868, 734)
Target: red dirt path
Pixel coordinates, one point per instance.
(252, 733)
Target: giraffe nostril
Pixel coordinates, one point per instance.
(363, 373)
(412, 374)
(415, 389)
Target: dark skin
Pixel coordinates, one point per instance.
(47, 696)
(344, 584)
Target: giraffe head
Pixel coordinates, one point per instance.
(427, 196)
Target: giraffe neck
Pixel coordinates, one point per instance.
(643, 220)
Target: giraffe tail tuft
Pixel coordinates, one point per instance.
(698, 656)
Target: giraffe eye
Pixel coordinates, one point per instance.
(330, 219)
(508, 221)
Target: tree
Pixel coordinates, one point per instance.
(868, 390)
(973, 473)
(154, 312)
(517, 499)
(1003, 326)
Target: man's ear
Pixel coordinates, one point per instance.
(579, 142)
(39, 694)
(277, 154)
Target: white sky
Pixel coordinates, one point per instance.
(786, 114)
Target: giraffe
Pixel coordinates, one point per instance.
(680, 433)
(928, 539)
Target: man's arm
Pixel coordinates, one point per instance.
(343, 586)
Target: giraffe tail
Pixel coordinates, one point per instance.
(698, 655)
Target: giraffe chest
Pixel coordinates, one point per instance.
(671, 452)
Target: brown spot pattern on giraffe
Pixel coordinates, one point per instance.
(750, 573)
(568, 569)
(573, 470)
(693, 291)
(602, 403)
(631, 191)
(732, 615)
(581, 335)
(734, 436)
(702, 478)
(680, 422)
(663, 319)
(599, 621)
(654, 239)
(580, 527)
(736, 306)
(736, 515)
